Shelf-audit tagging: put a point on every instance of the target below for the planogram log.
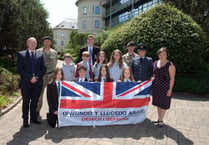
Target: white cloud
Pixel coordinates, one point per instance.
(59, 10)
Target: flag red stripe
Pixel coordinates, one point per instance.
(75, 89)
(81, 104)
(127, 92)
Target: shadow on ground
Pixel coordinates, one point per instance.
(57, 135)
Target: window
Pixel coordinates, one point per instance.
(97, 10)
(62, 34)
(55, 35)
(124, 17)
(84, 24)
(96, 24)
(62, 43)
(84, 10)
(123, 1)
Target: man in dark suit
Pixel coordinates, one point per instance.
(142, 66)
(93, 50)
(30, 66)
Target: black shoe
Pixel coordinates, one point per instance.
(38, 115)
(160, 124)
(35, 121)
(25, 124)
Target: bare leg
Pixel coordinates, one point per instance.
(161, 113)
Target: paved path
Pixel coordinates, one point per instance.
(187, 123)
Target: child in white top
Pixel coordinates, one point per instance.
(127, 75)
(100, 60)
(116, 65)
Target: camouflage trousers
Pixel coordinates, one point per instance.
(46, 79)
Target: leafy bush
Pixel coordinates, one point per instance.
(8, 82)
(4, 101)
(8, 87)
(101, 37)
(195, 84)
(163, 26)
(6, 61)
(77, 41)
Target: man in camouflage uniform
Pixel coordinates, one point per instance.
(130, 55)
(50, 58)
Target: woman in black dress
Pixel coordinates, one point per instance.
(164, 76)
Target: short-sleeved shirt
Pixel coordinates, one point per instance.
(69, 71)
(115, 71)
(96, 70)
(50, 59)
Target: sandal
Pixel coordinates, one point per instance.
(160, 124)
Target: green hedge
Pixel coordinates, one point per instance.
(163, 26)
(8, 82)
(8, 87)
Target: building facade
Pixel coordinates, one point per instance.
(120, 11)
(112, 13)
(90, 16)
(62, 33)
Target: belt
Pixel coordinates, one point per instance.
(50, 72)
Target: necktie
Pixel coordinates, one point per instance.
(141, 59)
(90, 52)
(33, 62)
(58, 87)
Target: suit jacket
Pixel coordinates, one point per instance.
(24, 68)
(52, 97)
(145, 72)
(94, 56)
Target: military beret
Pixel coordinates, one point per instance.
(131, 43)
(46, 37)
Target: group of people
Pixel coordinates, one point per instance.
(38, 69)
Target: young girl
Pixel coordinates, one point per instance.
(100, 60)
(127, 75)
(53, 92)
(104, 75)
(116, 64)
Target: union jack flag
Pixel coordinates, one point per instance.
(80, 95)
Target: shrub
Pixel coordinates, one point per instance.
(8, 82)
(77, 41)
(163, 26)
(4, 101)
(196, 84)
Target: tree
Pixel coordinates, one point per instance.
(21, 19)
(163, 26)
(197, 9)
(77, 41)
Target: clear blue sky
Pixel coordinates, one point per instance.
(59, 10)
